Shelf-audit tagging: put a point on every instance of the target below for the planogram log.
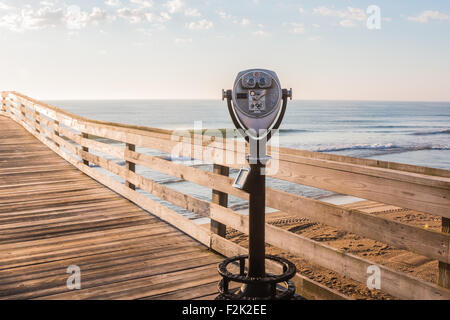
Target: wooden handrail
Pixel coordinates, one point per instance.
(407, 186)
(428, 193)
(170, 134)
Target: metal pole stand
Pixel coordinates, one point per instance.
(256, 283)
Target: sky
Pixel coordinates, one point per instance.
(191, 49)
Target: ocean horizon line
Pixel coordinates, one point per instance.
(219, 99)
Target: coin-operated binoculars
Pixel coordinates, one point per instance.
(257, 105)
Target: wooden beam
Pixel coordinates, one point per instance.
(432, 244)
(85, 149)
(130, 166)
(444, 268)
(392, 166)
(22, 108)
(3, 103)
(221, 199)
(36, 114)
(420, 197)
(56, 130)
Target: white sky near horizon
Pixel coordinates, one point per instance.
(191, 49)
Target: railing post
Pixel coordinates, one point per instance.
(86, 149)
(221, 199)
(22, 106)
(3, 105)
(444, 268)
(36, 113)
(56, 132)
(130, 166)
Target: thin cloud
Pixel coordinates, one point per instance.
(226, 16)
(45, 3)
(174, 6)
(314, 38)
(192, 12)
(347, 23)
(260, 33)
(350, 17)
(142, 3)
(181, 41)
(71, 17)
(158, 21)
(427, 15)
(131, 15)
(77, 19)
(200, 25)
(297, 28)
(112, 3)
(245, 22)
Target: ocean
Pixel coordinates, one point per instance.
(415, 133)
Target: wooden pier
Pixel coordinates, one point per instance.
(58, 208)
(53, 216)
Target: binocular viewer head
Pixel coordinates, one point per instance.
(256, 102)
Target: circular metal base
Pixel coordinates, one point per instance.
(269, 287)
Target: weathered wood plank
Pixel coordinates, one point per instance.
(53, 218)
(55, 284)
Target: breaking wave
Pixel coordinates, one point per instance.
(428, 133)
(381, 147)
(293, 130)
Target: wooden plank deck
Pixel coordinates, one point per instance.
(53, 216)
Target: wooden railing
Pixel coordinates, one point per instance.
(417, 188)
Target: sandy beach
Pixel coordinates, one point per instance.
(378, 252)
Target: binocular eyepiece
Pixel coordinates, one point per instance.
(257, 103)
